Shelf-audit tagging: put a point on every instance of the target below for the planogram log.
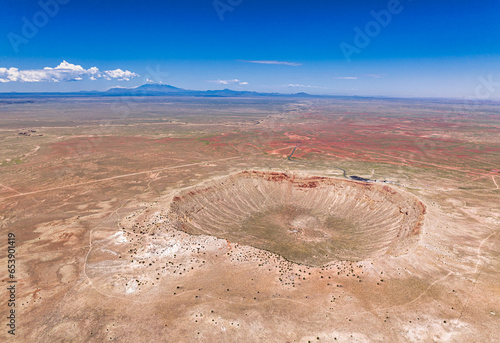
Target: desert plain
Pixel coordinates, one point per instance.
(184, 219)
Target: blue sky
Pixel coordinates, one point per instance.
(417, 48)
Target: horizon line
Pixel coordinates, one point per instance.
(82, 92)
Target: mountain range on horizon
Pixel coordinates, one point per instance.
(156, 89)
(149, 89)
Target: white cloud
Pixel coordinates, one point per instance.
(345, 78)
(230, 82)
(119, 74)
(377, 76)
(303, 86)
(68, 66)
(293, 64)
(64, 72)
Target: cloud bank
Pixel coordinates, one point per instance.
(64, 72)
(345, 78)
(293, 64)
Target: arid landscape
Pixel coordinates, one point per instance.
(198, 219)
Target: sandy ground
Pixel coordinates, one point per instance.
(98, 259)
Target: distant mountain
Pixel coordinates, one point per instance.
(166, 90)
(159, 88)
(151, 89)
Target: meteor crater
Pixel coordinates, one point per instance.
(306, 219)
